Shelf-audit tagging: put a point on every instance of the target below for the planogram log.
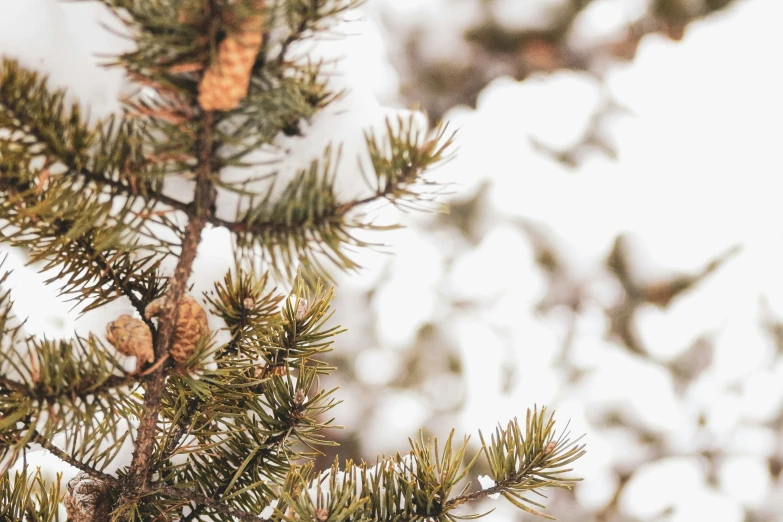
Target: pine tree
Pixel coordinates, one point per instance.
(220, 431)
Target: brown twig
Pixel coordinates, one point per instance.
(189, 209)
(65, 457)
(115, 381)
(201, 500)
(139, 471)
(13, 386)
(500, 487)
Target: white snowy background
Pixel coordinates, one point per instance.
(698, 171)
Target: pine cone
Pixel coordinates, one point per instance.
(131, 337)
(87, 499)
(192, 325)
(226, 80)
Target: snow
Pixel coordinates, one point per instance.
(445, 21)
(661, 485)
(745, 480)
(396, 412)
(376, 367)
(602, 21)
(407, 304)
(267, 512)
(67, 41)
(502, 250)
(535, 15)
(706, 502)
(487, 483)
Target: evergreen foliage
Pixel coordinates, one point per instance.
(28, 498)
(231, 432)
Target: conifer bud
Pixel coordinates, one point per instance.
(225, 82)
(301, 309)
(87, 499)
(321, 515)
(192, 325)
(131, 337)
(248, 303)
(549, 448)
(299, 397)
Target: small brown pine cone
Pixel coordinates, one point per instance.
(192, 325)
(131, 337)
(87, 499)
(225, 82)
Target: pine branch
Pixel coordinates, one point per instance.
(108, 153)
(82, 392)
(418, 486)
(261, 442)
(95, 268)
(63, 387)
(251, 450)
(12, 386)
(214, 500)
(306, 224)
(322, 226)
(265, 343)
(320, 229)
(271, 446)
(202, 501)
(181, 428)
(401, 157)
(257, 451)
(57, 206)
(249, 310)
(139, 471)
(68, 459)
(29, 498)
(305, 17)
(525, 461)
(186, 41)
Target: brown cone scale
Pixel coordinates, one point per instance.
(87, 499)
(131, 337)
(227, 78)
(192, 325)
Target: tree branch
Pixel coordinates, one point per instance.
(98, 258)
(180, 429)
(189, 209)
(115, 381)
(500, 487)
(222, 488)
(14, 386)
(126, 288)
(201, 500)
(60, 454)
(139, 471)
